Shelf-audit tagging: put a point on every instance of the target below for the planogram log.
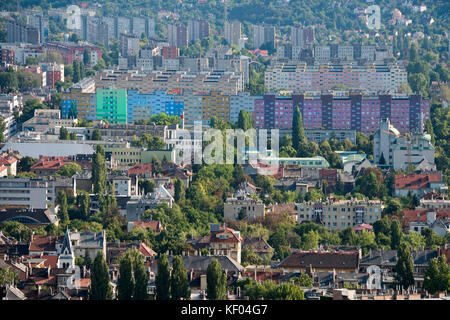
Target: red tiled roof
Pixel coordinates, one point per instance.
(50, 163)
(7, 160)
(154, 225)
(433, 195)
(140, 169)
(233, 238)
(50, 261)
(411, 215)
(363, 226)
(416, 181)
(146, 250)
(42, 243)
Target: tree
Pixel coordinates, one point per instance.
(8, 276)
(418, 83)
(179, 190)
(146, 186)
(179, 284)
(404, 269)
(84, 203)
(303, 280)
(298, 133)
(437, 276)
(76, 71)
(87, 57)
(125, 282)
(68, 170)
(289, 291)
(63, 134)
(244, 120)
(216, 281)
(63, 212)
(96, 135)
(2, 129)
(99, 171)
(140, 276)
(100, 281)
(310, 240)
(396, 234)
(163, 279)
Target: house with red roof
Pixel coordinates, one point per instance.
(418, 184)
(225, 241)
(9, 162)
(141, 170)
(49, 165)
(154, 225)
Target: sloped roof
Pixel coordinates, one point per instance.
(416, 181)
(201, 263)
(328, 260)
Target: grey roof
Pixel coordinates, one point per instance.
(36, 149)
(389, 257)
(200, 263)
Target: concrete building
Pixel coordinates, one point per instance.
(340, 214)
(177, 35)
(18, 32)
(136, 206)
(370, 79)
(263, 34)
(400, 151)
(197, 29)
(242, 207)
(27, 192)
(341, 113)
(128, 45)
(80, 101)
(112, 105)
(232, 32)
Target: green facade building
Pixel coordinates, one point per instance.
(112, 105)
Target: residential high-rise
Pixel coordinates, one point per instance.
(128, 45)
(341, 113)
(371, 79)
(177, 35)
(232, 32)
(18, 32)
(37, 20)
(197, 29)
(263, 34)
(112, 105)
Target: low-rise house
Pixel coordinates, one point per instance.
(117, 249)
(419, 219)
(9, 161)
(340, 214)
(259, 246)
(225, 241)
(197, 265)
(387, 259)
(141, 170)
(122, 185)
(137, 205)
(418, 184)
(47, 166)
(153, 225)
(46, 245)
(243, 207)
(300, 261)
(86, 242)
